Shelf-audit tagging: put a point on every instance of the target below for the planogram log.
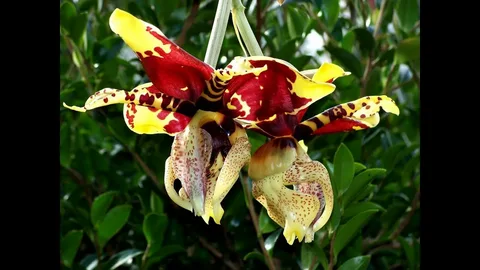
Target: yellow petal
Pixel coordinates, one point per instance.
(329, 72)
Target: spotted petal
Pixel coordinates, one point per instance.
(145, 109)
(360, 114)
(171, 69)
(277, 88)
(283, 162)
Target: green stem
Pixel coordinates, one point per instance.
(243, 29)
(218, 32)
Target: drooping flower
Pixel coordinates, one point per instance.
(273, 101)
(182, 100)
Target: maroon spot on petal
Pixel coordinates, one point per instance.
(105, 100)
(149, 53)
(379, 98)
(363, 104)
(163, 114)
(368, 107)
(146, 99)
(362, 116)
(129, 97)
(351, 105)
(113, 94)
(330, 81)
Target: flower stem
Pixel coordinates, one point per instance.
(243, 29)
(254, 216)
(218, 32)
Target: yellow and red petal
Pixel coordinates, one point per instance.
(276, 87)
(146, 110)
(149, 120)
(171, 69)
(360, 114)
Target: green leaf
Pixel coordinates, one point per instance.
(121, 258)
(365, 40)
(117, 126)
(266, 224)
(68, 12)
(360, 207)
(100, 206)
(154, 227)
(296, 22)
(254, 255)
(356, 263)
(344, 169)
(331, 10)
(156, 203)
(308, 252)
(359, 167)
(367, 191)
(113, 222)
(334, 220)
(69, 246)
(360, 181)
(409, 251)
(164, 9)
(408, 13)
(346, 231)
(348, 41)
(272, 240)
(386, 58)
(163, 253)
(408, 50)
(349, 61)
(78, 28)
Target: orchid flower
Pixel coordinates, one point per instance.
(182, 99)
(272, 101)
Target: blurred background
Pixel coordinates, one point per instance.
(115, 213)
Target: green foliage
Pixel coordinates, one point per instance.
(112, 179)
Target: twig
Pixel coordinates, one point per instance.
(393, 245)
(258, 28)
(407, 219)
(81, 182)
(395, 87)
(389, 78)
(331, 262)
(415, 76)
(366, 76)
(313, 262)
(254, 216)
(217, 253)
(82, 72)
(380, 18)
(322, 27)
(188, 23)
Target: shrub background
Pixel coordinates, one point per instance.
(113, 203)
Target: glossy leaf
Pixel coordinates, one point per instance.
(344, 169)
(360, 207)
(408, 13)
(254, 255)
(69, 246)
(331, 9)
(154, 227)
(409, 250)
(100, 206)
(271, 240)
(360, 181)
(311, 256)
(163, 253)
(346, 231)
(122, 258)
(359, 167)
(156, 203)
(408, 50)
(365, 40)
(113, 222)
(356, 263)
(266, 224)
(349, 61)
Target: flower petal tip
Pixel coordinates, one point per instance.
(120, 18)
(74, 108)
(346, 73)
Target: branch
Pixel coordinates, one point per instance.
(407, 219)
(253, 214)
(380, 18)
(217, 253)
(332, 258)
(188, 23)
